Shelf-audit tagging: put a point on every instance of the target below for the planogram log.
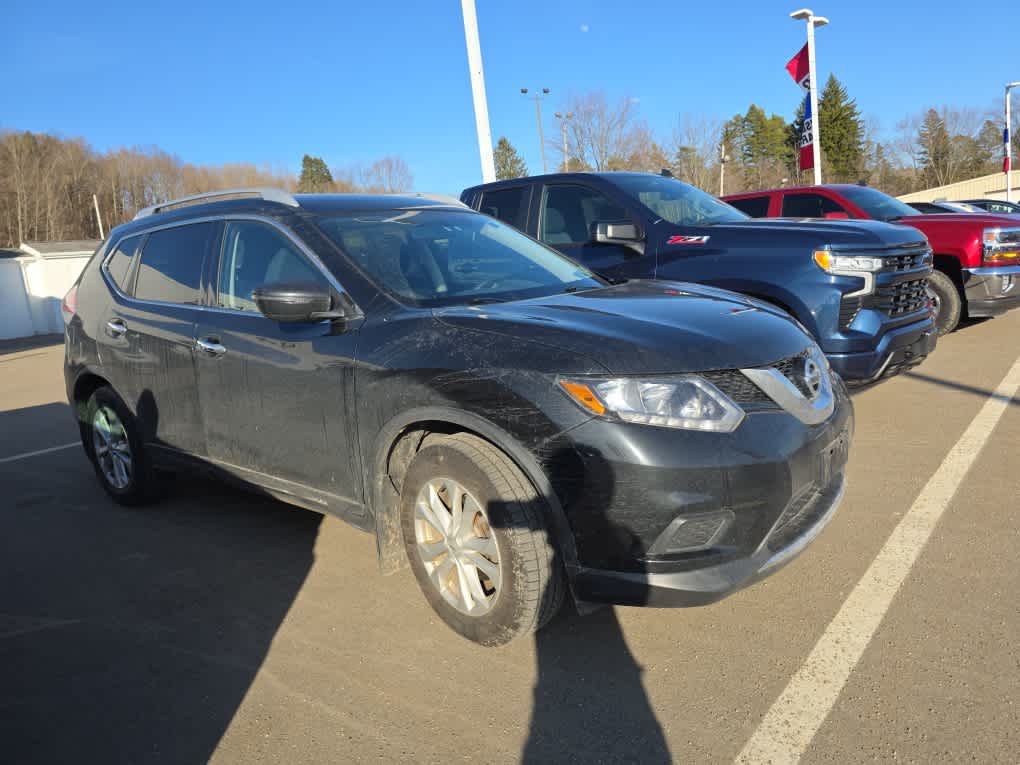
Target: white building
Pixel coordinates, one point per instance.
(986, 187)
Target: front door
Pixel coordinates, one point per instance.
(276, 396)
(567, 219)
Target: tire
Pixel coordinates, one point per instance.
(106, 412)
(504, 522)
(948, 303)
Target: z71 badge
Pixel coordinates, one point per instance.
(687, 240)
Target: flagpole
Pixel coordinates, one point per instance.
(813, 21)
(1007, 163)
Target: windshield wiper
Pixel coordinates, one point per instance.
(483, 300)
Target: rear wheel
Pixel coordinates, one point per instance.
(477, 539)
(113, 444)
(946, 302)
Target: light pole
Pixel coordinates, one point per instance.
(1007, 140)
(723, 159)
(538, 117)
(474, 51)
(563, 129)
(813, 21)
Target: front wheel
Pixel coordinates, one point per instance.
(946, 302)
(478, 541)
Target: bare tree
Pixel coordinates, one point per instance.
(694, 151)
(601, 136)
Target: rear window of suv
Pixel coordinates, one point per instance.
(118, 265)
(170, 269)
(509, 205)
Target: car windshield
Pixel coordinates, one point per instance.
(878, 205)
(678, 202)
(433, 258)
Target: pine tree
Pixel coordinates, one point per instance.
(842, 132)
(935, 150)
(315, 176)
(509, 163)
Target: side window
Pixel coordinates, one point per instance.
(808, 206)
(756, 207)
(118, 265)
(255, 254)
(170, 268)
(509, 205)
(568, 213)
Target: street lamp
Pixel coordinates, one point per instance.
(1007, 140)
(474, 51)
(723, 159)
(813, 21)
(538, 117)
(563, 129)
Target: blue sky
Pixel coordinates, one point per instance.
(268, 81)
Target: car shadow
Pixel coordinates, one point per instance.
(589, 700)
(134, 634)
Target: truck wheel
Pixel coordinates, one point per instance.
(113, 445)
(946, 302)
(478, 541)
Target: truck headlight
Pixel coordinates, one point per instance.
(835, 264)
(688, 402)
(1000, 246)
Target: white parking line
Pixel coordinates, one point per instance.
(791, 723)
(26, 455)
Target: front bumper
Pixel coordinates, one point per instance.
(774, 481)
(991, 290)
(897, 351)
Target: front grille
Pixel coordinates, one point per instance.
(735, 384)
(802, 512)
(902, 298)
(790, 369)
(907, 261)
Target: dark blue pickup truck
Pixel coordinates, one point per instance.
(858, 286)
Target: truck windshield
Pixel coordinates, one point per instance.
(678, 202)
(878, 205)
(432, 258)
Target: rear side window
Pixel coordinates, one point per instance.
(756, 207)
(118, 265)
(509, 205)
(808, 206)
(170, 269)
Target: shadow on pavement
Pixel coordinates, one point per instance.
(133, 635)
(971, 389)
(590, 703)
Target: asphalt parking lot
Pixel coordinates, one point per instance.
(220, 625)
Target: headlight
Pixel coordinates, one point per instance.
(1001, 246)
(688, 402)
(836, 263)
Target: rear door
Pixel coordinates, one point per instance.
(148, 335)
(800, 204)
(567, 216)
(275, 396)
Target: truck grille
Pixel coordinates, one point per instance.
(902, 298)
(908, 261)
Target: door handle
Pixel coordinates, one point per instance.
(210, 346)
(116, 328)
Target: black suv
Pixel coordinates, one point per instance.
(505, 421)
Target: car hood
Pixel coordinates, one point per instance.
(869, 233)
(978, 220)
(644, 327)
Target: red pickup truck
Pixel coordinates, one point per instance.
(977, 255)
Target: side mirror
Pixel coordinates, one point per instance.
(296, 302)
(616, 233)
(837, 216)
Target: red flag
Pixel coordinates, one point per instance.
(1005, 164)
(807, 157)
(798, 68)
(807, 152)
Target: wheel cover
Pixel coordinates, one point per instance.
(457, 546)
(112, 448)
(936, 302)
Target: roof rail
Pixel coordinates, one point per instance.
(266, 193)
(444, 198)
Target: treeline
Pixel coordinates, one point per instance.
(47, 184)
(759, 150)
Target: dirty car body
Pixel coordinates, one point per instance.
(426, 334)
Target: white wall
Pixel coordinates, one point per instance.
(31, 289)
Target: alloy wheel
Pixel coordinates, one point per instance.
(112, 448)
(457, 546)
